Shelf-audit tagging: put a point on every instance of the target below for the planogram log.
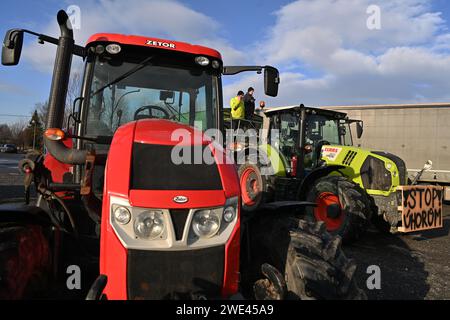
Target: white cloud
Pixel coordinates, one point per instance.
(406, 60)
(321, 25)
(156, 18)
(343, 61)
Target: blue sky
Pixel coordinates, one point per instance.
(323, 48)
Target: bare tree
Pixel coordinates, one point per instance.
(73, 91)
(42, 110)
(5, 133)
(17, 132)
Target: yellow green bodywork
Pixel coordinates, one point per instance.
(277, 161)
(353, 167)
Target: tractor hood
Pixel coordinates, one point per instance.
(381, 172)
(154, 163)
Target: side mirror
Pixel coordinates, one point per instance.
(12, 47)
(359, 129)
(342, 131)
(428, 165)
(271, 81)
(76, 108)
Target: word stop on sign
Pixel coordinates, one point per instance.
(421, 207)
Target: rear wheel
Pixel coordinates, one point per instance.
(24, 260)
(311, 260)
(252, 184)
(342, 205)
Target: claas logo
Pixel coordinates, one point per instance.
(330, 150)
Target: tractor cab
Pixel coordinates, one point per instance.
(129, 78)
(303, 131)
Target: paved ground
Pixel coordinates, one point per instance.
(10, 178)
(413, 266)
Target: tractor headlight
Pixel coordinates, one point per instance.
(149, 224)
(228, 214)
(206, 223)
(215, 64)
(230, 210)
(122, 215)
(201, 60)
(113, 48)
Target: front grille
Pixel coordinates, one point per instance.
(154, 169)
(169, 274)
(349, 158)
(374, 175)
(401, 165)
(179, 217)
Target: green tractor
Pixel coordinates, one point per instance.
(307, 154)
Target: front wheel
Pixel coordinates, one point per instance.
(310, 260)
(342, 205)
(24, 260)
(252, 184)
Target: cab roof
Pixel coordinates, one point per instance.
(326, 112)
(151, 42)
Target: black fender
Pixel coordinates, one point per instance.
(24, 214)
(313, 176)
(96, 290)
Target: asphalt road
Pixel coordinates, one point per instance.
(10, 178)
(413, 266)
(8, 162)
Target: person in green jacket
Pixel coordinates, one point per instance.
(237, 106)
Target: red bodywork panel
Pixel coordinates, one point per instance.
(58, 169)
(113, 256)
(153, 43)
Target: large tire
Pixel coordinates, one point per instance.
(342, 205)
(24, 260)
(378, 220)
(252, 184)
(311, 260)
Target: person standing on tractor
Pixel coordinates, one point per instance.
(260, 110)
(249, 102)
(237, 106)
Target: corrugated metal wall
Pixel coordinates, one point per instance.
(415, 133)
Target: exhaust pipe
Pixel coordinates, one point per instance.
(58, 93)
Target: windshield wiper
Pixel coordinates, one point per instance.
(133, 70)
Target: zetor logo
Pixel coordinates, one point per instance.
(160, 44)
(330, 149)
(180, 199)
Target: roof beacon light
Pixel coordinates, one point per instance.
(201, 60)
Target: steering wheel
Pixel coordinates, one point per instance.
(318, 150)
(138, 116)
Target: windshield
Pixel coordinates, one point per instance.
(288, 134)
(150, 90)
(320, 128)
(347, 138)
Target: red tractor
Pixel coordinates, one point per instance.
(111, 196)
